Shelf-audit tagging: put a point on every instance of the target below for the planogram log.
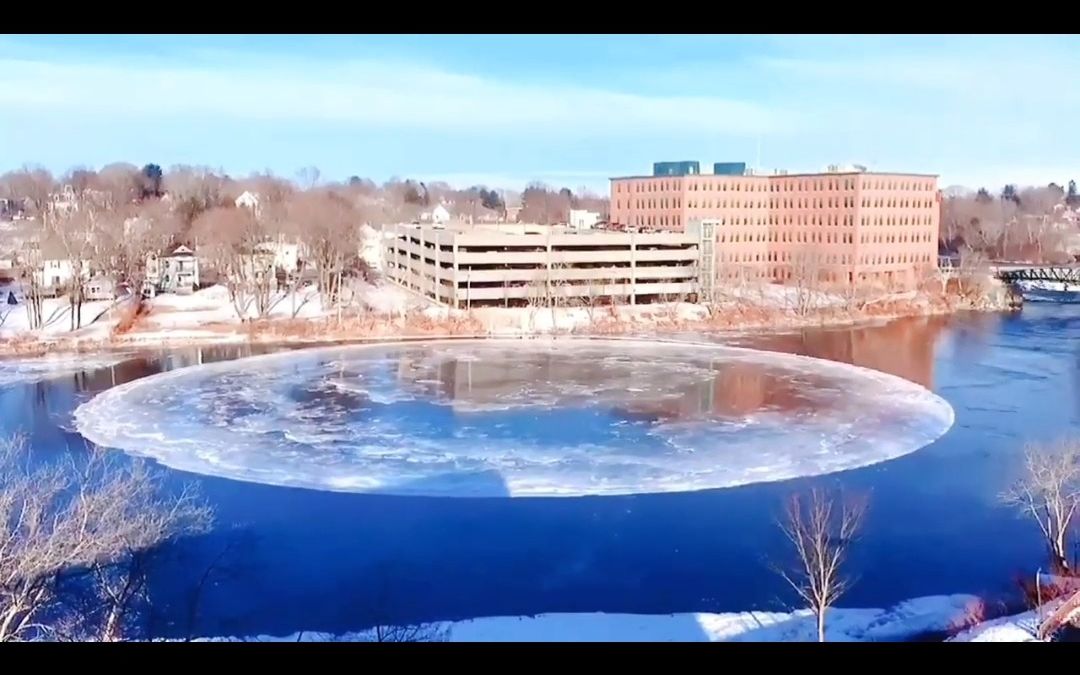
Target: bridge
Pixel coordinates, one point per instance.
(1010, 274)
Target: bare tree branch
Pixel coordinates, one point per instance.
(821, 529)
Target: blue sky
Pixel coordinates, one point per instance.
(570, 110)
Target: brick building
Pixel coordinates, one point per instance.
(840, 226)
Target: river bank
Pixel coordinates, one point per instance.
(674, 555)
(387, 312)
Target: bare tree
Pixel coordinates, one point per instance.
(541, 204)
(193, 190)
(422, 632)
(331, 226)
(308, 177)
(231, 238)
(1049, 492)
(33, 188)
(806, 274)
(129, 235)
(80, 528)
(821, 529)
(973, 272)
(76, 234)
(120, 183)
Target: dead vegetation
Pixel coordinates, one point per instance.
(77, 539)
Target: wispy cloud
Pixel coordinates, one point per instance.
(370, 93)
(503, 111)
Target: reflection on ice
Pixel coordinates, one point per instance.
(518, 418)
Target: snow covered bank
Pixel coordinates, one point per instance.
(383, 310)
(907, 620)
(1016, 628)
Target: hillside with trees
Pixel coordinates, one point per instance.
(1034, 224)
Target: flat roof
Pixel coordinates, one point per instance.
(787, 175)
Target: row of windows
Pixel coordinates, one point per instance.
(785, 185)
(826, 220)
(896, 220)
(824, 237)
(657, 221)
(801, 203)
(903, 203)
(923, 185)
(900, 258)
(796, 237)
(824, 259)
(896, 238)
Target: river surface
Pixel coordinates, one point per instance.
(296, 558)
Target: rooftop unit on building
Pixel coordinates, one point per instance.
(684, 168)
(729, 168)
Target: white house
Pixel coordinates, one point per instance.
(372, 246)
(258, 265)
(439, 215)
(580, 219)
(248, 200)
(286, 256)
(100, 287)
(174, 272)
(53, 269)
(64, 201)
(54, 272)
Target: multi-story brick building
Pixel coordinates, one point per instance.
(840, 226)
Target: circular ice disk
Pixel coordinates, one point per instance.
(538, 418)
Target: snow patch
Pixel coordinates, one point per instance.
(907, 620)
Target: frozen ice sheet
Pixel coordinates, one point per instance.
(564, 417)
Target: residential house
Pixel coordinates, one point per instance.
(100, 287)
(174, 272)
(11, 209)
(248, 200)
(284, 256)
(259, 265)
(52, 268)
(581, 219)
(439, 215)
(372, 246)
(64, 201)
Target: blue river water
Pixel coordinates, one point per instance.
(291, 558)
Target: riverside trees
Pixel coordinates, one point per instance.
(77, 539)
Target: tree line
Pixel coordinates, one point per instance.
(109, 221)
(1030, 224)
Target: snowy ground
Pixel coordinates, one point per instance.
(210, 315)
(906, 620)
(1016, 628)
(56, 314)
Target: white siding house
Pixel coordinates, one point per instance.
(54, 273)
(175, 272)
(286, 256)
(248, 200)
